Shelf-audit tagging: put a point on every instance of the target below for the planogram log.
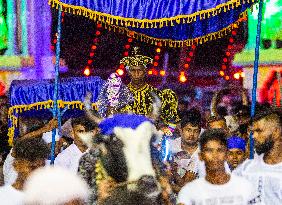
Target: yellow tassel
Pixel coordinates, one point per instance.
(161, 24)
(177, 21)
(142, 25)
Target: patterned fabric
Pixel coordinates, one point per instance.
(124, 97)
(86, 170)
(143, 102)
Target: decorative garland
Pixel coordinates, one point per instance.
(147, 23)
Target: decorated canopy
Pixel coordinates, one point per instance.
(36, 97)
(174, 23)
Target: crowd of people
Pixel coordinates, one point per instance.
(201, 163)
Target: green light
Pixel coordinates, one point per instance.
(271, 24)
(3, 28)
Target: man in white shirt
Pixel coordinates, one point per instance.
(218, 187)
(69, 158)
(10, 175)
(29, 155)
(186, 165)
(265, 170)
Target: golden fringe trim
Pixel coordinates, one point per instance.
(15, 110)
(147, 23)
(185, 43)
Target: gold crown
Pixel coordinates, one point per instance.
(136, 59)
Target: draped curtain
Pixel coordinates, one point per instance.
(175, 23)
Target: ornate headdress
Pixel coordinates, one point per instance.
(136, 59)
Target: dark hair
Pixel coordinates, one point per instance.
(265, 110)
(213, 135)
(31, 149)
(193, 117)
(84, 121)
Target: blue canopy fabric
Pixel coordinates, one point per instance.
(173, 23)
(35, 96)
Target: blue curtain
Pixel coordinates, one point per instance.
(26, 92)
(169, 20)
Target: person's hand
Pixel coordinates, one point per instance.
(52, 124)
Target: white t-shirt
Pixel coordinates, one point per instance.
(266, 179)
(10, 174)
(191, 163)
(69, 158)
(10, 196)
(237, 191)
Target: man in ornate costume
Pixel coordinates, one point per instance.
(142, 92)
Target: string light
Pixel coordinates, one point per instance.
(120, 72)
(162, 72)
(182, 77)
(92, 49)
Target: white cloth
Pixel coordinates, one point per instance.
(10, 174)
(237, 191)
(69, 158)
(266, 179)
(47, 136)
(10, 196)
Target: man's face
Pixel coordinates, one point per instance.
(137, 73)
(77, 129)
(263, 136)
(214, 155)
(190, 135)
(235, 157)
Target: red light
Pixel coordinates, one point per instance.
(150, 72)
(156, 64)
(237, 76)
(99, 25)
(223, 67)
(186, 65)
(127, 46)
(225, 60)
(62, 20)
(158, 50)
(230, 47)
(89, 62)
(52, 48)
(121, 66)
(234, 33)
(157, 57)
(63, 13)
(162, 72)
(191, 53)
(182, 78)
(94, 47)
(221, 73)
(227, 53)
(125, 53)
(55, 41)
(98, 33)
(92, 54)
(231, 40)
(188, 59)
(193, 47)
(86, 71)
(120, 72)
(159, 44)
(227, 77)
(130, 40)
(96, 40)
(155, 72)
